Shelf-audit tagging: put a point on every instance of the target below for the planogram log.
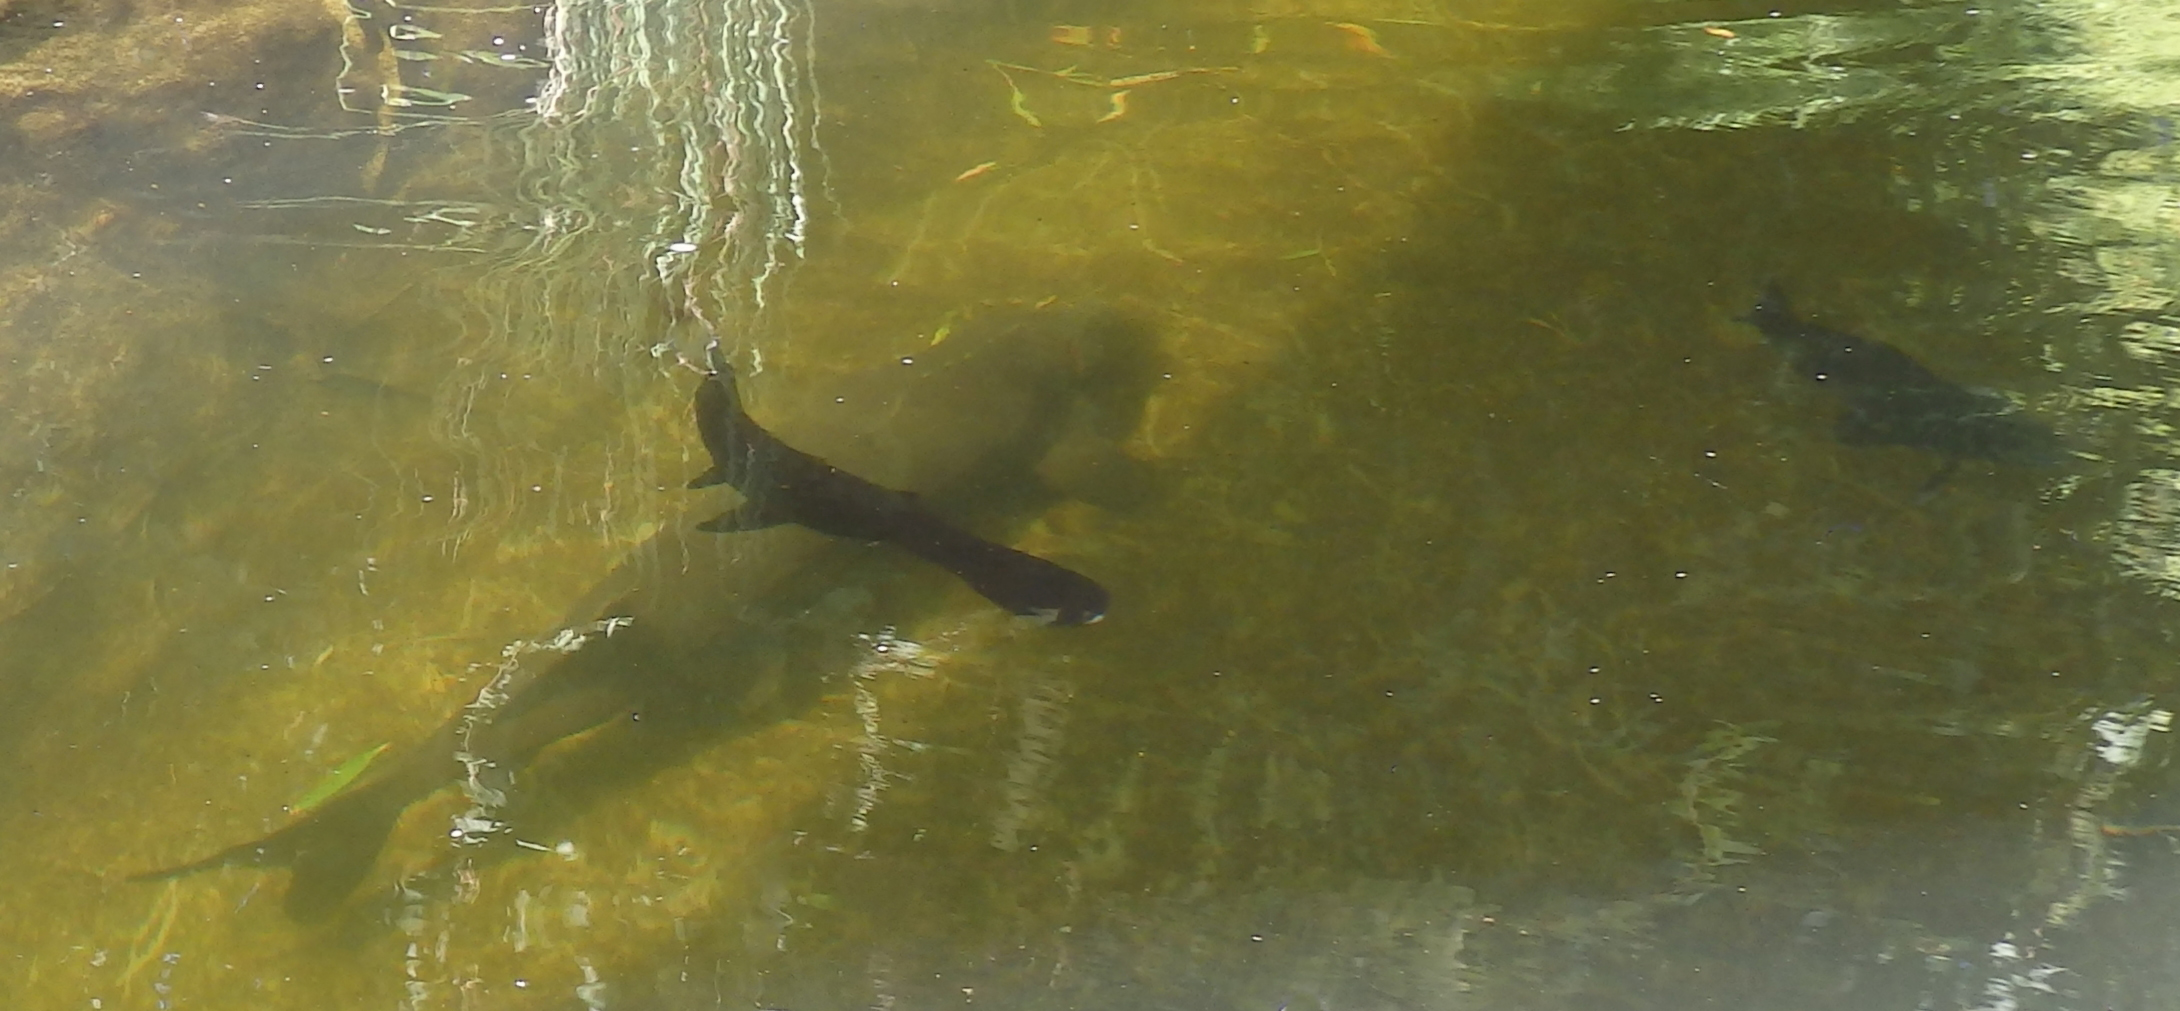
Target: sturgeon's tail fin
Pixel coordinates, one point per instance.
(720, 420)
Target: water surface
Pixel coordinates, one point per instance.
(1498, 621)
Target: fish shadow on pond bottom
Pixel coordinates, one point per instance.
(700, 634)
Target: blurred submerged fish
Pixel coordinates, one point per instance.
(1888, 398)
(782, 484)
(695, 636)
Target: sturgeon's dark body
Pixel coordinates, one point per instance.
(1889, 398)
(719, 633)
(782, 484)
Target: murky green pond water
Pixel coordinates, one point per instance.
(1498, 619)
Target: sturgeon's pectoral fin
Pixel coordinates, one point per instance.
(710, 478)
(745, 517)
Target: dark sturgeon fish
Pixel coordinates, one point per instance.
(782, 484)
(696, 636)
(1888, 398)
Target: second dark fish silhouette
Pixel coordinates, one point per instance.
(1890, 399)
(782, 484)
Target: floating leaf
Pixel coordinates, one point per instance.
(402, 95)
(336, 781)
(492, 59)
